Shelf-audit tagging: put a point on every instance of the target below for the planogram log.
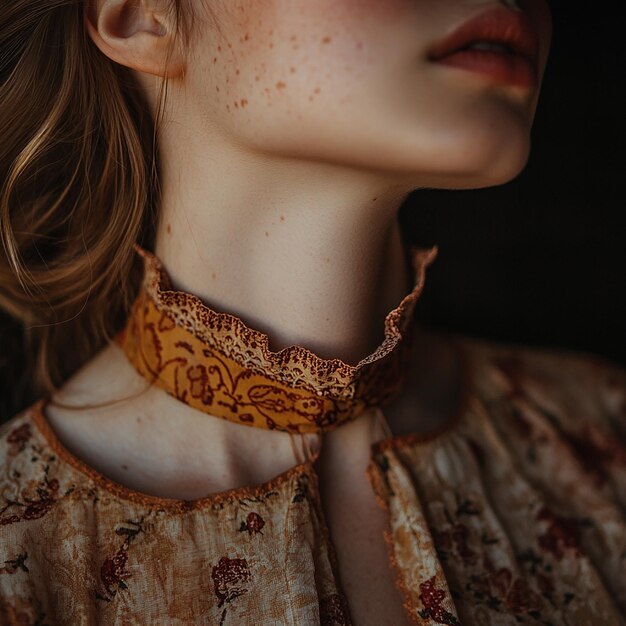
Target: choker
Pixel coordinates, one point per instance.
(215, 363)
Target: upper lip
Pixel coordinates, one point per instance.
(513, 29)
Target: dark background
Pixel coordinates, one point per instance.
(541, 260)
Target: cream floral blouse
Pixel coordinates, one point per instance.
(512, 513)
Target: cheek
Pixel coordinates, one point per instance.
(277, 54)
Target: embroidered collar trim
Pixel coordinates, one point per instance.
(217, 364)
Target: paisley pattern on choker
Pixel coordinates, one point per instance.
(217, 364)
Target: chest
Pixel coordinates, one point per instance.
(356, 524)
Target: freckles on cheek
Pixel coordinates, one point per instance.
(302, 55)
(241, 65)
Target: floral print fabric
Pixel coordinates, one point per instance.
(514, 513)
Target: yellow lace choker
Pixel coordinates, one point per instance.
(217, 364)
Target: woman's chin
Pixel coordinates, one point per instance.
(484, 164)
(501, 173)
(471, 174)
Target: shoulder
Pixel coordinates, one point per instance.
(28, 472)
(562, 366)
(580, 386)
(16, 436)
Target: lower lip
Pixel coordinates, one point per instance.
(501, 66)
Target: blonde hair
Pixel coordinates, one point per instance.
(79, 184)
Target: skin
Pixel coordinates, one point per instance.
(294, 133)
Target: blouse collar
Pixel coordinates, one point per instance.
(214, 362)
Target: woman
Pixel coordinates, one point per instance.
(241, 422)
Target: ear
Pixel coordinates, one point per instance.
(133, 33)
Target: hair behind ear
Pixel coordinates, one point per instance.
(78, 186)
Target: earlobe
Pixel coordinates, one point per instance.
(131, 34)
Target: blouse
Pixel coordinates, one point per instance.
(513, 512)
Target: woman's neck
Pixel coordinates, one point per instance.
(310, 254)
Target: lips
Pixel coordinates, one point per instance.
(512, 30)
